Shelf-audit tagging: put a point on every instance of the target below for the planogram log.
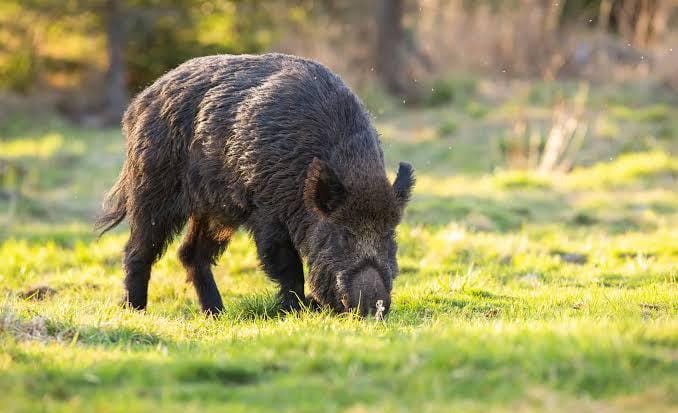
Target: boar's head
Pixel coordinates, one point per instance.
(352, 247)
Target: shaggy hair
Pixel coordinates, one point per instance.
(277, 144)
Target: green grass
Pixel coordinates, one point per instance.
(518, 291)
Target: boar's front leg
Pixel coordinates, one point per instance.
(201, 248)
(281, 262)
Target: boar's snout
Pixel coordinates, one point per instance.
(368, 294)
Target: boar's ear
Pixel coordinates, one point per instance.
(403, 183)
(323, 191)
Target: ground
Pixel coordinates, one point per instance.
(519, 290)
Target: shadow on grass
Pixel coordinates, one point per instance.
(253, 307)
(63, 235)
(25, 327)
(512, 211)
(471, 303)
(240, 309)
(249, 307)
(485, 213)
(147, 378)
(616, 280)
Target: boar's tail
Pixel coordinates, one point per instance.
(114, 206)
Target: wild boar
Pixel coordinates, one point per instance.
(273, 143)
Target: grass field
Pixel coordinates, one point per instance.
(519, 291)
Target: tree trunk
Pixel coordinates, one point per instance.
(604, 15)
(390, 33)
(116, 90)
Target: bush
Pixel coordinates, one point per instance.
(17, 71)
(456, 90)
(447, 128)
(475, 109)
(158, 45)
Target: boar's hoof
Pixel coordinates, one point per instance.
(213, 311)
(290, 303)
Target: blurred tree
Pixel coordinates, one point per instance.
(398, 57)
(640, 22)
(143, 38)
(389, 46)
(116, 90)
(71, 44)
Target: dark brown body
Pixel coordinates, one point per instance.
(274, 143)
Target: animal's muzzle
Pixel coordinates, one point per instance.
(367, 293)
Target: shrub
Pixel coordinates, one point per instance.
(452, 90)
(447, 128)
(17, 71)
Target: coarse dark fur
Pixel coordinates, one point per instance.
(277, 144)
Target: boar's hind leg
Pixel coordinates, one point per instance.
(148, 240)
(199, 251)
(282, 264)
